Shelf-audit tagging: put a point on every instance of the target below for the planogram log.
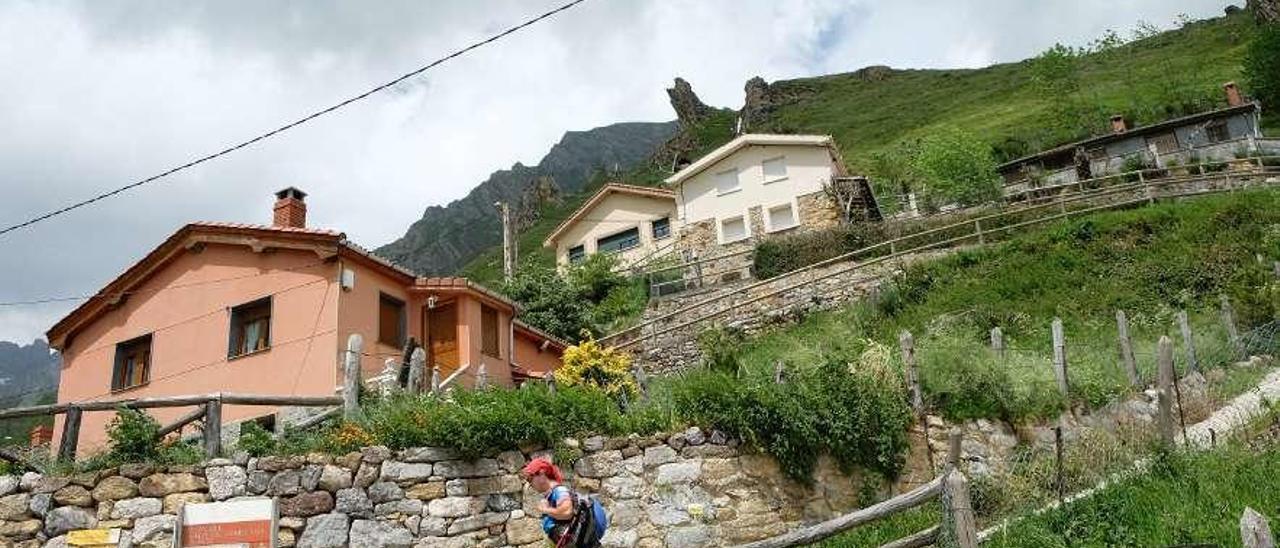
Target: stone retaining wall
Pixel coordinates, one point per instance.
(678, 348)
(688, 489)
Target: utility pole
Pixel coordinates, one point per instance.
(508, 242)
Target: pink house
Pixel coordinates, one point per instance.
(268, 310)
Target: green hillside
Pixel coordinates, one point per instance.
(868, 111)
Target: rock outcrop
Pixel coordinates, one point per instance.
(689, 109)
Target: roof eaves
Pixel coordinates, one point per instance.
(600, 195)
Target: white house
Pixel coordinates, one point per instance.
(634, 223)
(756, 185)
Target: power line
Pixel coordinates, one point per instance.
(293, 124)
(48, 300)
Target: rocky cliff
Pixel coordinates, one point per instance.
(445, 238)
(27, 373)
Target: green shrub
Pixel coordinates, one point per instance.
(719, 348)
(255, 440)
(589, 364)
(132, 436)
(482, 422)
(857, 415)
(549, 301)
(779, 255)
(594, 277)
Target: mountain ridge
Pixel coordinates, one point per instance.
(447, 237)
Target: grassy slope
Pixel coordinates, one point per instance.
(1149, 261)
(996, 103)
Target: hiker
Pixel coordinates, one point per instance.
(568, 519)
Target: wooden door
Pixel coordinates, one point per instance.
(442, 338)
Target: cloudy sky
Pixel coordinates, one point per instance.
(98, 94)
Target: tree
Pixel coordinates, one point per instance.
(1262, 65)
(1055, 74)
(595, 276)
(954, 167)
(548, 301)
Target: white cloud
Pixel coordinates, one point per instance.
(98, 94)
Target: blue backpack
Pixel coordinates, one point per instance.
(585, 528)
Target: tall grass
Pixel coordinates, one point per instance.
(1150, 261)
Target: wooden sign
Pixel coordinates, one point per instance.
(93, 537)
(242, 524)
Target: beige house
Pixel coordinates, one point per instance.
(634, 223)
(753, 186)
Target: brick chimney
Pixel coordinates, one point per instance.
(1233, 94)
(1118, 125)
(290, 210)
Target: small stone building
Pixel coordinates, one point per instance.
(1215, 135)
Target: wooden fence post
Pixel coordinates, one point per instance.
(351, 377)
(417, 362)
(1164, 385)
(1126, 349)
(779, 372)
(997, 341)
(70, 434)
(907, 342)
(435, 380)
(977, 228)
(958, 529)
(1060, 357)
(954, 438)
(1255, 532)
(1060, 484)
(642, 380)
(1188, 341)
(213, 427)
(482, 377)
(406, 361)
(551, 383)
(1229, 322)
(390, 375)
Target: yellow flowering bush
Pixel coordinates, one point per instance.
(591, 364)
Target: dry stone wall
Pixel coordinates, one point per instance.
(670, 344)
(689, 489)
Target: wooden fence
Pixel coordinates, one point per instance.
(208, 407)
(1014, 197)
(957, 525)
(975, 230)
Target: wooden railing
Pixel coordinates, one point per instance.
(208, 407)
(958, 526)
(975, 229)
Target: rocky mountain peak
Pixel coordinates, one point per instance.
(689, 109)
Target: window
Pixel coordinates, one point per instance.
(621, 241)
(1216, 131)
(489, 331)
(727, 181)
(576, 254)
(250, 328)
(775, 169)
(133, 363)
(391, 319)
(662, 228)
(781, 217)
(732, 230)
(1164, 143)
